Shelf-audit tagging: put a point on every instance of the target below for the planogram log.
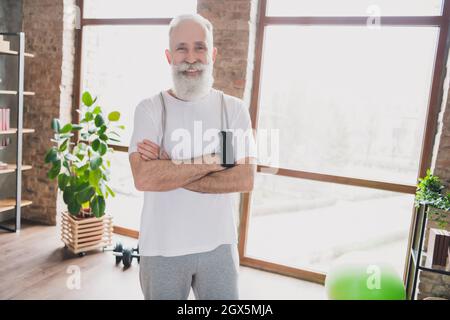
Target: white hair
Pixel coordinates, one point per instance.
(203, 22)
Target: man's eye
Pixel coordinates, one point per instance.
(181, 49)
(200, 48)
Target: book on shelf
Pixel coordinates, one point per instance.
(4, 119)
(4, 125)
(4, 45)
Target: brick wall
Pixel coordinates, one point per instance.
(431, 284)
(50, 75)
(233, 23)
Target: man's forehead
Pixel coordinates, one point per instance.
(188, 32)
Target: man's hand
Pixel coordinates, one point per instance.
(149, 150)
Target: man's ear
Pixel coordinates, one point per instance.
(168, 56)
(214, 54)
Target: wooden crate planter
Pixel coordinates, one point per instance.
(81, 235)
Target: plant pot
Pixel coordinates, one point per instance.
(84, 234)
(437, 248)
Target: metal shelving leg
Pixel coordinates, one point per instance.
(20, 89)
(423, 220)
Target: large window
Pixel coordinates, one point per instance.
(350, 100)
(123, 62)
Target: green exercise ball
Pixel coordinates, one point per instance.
(363, 280)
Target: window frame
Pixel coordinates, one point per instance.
(434, 102)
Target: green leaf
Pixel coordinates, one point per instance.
(85, 195)
(112, 139)
(77, 127)
(66, 128)
(66, 165)
(65, 135)
(55, 125)
(88, 116)
(87, 99)
(121, 127)
(96, 144)
(97, 110)
(51, 155)
(63, 146)
(96, 162)
(103, 148)
(99, 121)
(98, 206)
(80, 185)
(68, 195)
(102, 130)
(110, 191)
(63, 180)
(104, 137)
(54, 171)
(114, 116)
(74, 207)
(94, 177)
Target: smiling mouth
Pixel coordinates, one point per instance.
(191, 72)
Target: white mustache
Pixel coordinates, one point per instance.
(184, 66)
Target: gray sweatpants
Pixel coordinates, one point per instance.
(213, 275)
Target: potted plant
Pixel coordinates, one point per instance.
(429, 192)
(83, 171)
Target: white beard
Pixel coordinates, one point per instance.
(192, 88)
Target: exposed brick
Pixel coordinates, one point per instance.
(50, 75)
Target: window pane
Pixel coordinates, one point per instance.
(123, 65)
(348, 101)
(354, 7)
(137, 8)
(126, 206)
(309, 224)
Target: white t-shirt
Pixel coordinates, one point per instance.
(179, 221)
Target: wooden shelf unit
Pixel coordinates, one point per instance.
(16, 202)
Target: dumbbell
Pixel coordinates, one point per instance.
(127, 256)
(118, 248)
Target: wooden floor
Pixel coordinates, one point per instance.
(35, 265)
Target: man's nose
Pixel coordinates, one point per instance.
(191, 58)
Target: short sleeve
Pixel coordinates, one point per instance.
(243, 141)
(144, 126)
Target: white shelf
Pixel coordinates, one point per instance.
(13, 167)
(25, 93)
(14, 131)
(15, 53)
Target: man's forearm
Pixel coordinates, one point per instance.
(165, 175)
(236, 179)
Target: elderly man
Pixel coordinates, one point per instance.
(180, 158)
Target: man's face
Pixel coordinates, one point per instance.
(188, 44)
(191, 60)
